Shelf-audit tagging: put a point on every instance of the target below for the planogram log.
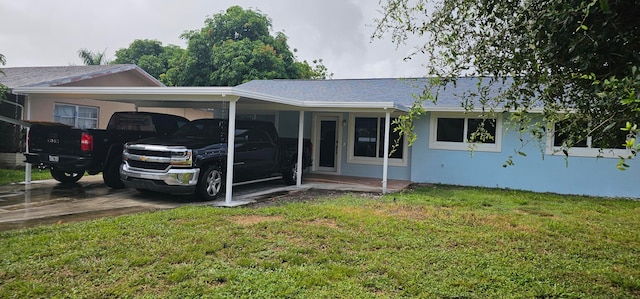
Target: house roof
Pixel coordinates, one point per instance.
(58, 75)
(401, 92)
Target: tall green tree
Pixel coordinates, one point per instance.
(234, 47)
(92, 58)
(151, 56)
(576, 59)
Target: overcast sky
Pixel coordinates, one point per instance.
(50, 32)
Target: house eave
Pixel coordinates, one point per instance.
(138, 95)
(474, 110)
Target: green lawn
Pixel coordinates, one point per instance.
(8, 176)
(432, 242)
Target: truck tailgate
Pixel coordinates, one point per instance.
(54, 138)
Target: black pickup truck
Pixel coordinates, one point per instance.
(69, 152)
(193, 159)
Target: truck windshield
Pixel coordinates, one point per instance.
(210, 129)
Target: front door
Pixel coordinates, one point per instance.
(327, 141)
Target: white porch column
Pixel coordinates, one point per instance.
(27, 166)
(230, 151)
(385, 159)
(300, 148)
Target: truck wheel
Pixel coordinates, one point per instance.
(66, 177)
(290, 176)
(111, 174)
(210, 183)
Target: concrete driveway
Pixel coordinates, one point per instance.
(49, 202)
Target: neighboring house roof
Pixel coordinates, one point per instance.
(60, 75)
(402, 92)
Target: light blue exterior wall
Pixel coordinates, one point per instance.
(582, 175)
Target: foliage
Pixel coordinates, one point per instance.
(92, 58)
(9, 132)
(234, 47)
(3, 61)
(432, 242)
(151, 56)
(550, 55)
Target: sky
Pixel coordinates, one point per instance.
(50, 32)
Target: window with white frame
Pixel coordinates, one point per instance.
(593, 145)
(84, 117)
(366, 141)
(462, 131)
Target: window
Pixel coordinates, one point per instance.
(83, 117)
(591, 146)
(367, 141)
(457, 131)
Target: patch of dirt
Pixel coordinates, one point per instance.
(254, 219)
(330, 223)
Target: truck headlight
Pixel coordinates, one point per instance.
(125, 154)
(181, 158)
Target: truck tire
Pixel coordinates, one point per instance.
(210, 183)
(66, 177)
(111, 174)
(290, 176)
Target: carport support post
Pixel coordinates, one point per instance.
(231, 136)
(300, 149)
(385, 159)
(27, 166)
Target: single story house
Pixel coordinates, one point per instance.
(350, 125)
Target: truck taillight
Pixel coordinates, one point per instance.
(86, 142)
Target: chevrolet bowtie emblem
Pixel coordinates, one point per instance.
(143, 158)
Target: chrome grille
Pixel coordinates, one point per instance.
(150, 153)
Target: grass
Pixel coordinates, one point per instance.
(8, 176)
(432, 242)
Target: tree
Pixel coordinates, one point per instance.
(3, 61)
(151, 56)
(10, 133)
(234, 47)
(92, 58)
(576, 59)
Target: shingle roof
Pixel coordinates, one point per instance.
(399, 91)
(56, 75)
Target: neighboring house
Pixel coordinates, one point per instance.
(347, 120)
(78, 112)
(84, 113)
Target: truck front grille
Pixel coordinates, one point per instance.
(150, 153)
(148, 165)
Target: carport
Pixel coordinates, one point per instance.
(212, 98)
